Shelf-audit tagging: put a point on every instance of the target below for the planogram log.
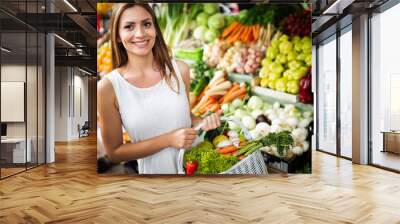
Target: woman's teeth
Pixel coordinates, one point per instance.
(141, 43)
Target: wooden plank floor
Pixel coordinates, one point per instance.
(387, 159)
(70, 191)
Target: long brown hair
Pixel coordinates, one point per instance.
(161, 52)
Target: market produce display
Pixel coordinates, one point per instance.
(104, 60)
(182, 21)
(279, 130)
(287, 61)
(104, 8)
(229, 148)
(261, 118)
(213, 52)
(270, 45)
(219, 90)
(241, 59)
(209, 23)
(298, 24)
(251, 25)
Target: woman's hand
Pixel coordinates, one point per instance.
(182, 138)
(213, 121)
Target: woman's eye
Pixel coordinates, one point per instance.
(129, 27)
(147, 24)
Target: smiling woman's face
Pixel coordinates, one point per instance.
(136, 31)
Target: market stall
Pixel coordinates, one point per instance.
(254, 63)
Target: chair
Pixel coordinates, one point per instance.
(84, 130)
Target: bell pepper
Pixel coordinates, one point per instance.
(191, 167)
(306, 96)
(305, 83)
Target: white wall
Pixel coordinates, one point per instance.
(71, 93)
(61, 103)
(12, 73)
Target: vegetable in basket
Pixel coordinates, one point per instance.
(191, 167)
(209, 160)
(281, 140)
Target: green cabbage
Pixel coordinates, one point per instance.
(216, 21)
(211, 35)
(202, 19)
(210, 8)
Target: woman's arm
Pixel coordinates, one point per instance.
(111, 131)
(210, 122)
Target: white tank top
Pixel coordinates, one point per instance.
(150, 112)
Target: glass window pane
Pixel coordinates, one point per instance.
(327, 96)
(31, 101)
(385, 88)
(14, 153)
(346, 94)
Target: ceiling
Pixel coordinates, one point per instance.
(18, 17)
(330, 15)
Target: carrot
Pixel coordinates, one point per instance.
(234, 87)
(206, 105)
(207, 108)
(259, 27)
(217, 82)
(251, 34)
(217, 94)
(232, 32)
(241, 157)
(199, 104)
(230, 29)
(247, 34)
(202, 102)
(212, 108)
(242, 96)
(250, 37)
(234, 37)
(215, 107)
(234, 95)
(204, 91)
(223, 86)
(192, 100)
(247, 37)
(236, 31)
(228, 149)
(243, 34)
(254, 32)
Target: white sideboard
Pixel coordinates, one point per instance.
(18, 149)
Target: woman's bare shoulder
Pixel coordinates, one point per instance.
(105, 90)
(185, 70)
(104, 86)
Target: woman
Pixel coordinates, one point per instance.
(146, 93)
